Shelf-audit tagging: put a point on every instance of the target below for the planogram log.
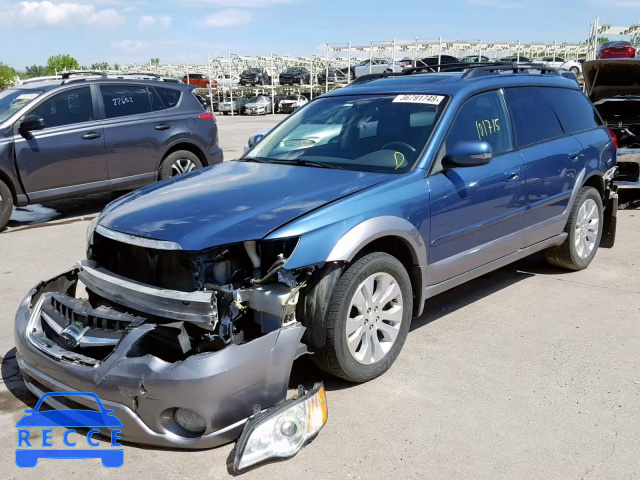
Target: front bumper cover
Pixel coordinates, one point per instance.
(223, 386)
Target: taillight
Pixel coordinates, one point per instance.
(614, 138)
(207, 116)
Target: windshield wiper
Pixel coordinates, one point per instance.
(308, 163)
(255, 159)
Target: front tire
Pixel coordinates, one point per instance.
(574, 70)
(368, 319)
(178, 163)
(6, 204)
(584, 228)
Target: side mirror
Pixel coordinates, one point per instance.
(468, 154)
(31, 123)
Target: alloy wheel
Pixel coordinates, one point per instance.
(374, 318)
(182, 165)
(586, 229)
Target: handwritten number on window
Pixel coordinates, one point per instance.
(487, 127)
(118, 101)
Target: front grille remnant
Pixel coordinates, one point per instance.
(76, 326)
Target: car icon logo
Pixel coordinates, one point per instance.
(99, 421)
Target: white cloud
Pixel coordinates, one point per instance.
(128, 45)
(47, 13)
(231, 17)
(149, 21)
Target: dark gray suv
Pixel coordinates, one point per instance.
(82, 135)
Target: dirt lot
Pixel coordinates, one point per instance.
(528, 372)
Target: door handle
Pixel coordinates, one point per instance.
(163, 126)
(574, 155)
(91, 136)
(512, 175)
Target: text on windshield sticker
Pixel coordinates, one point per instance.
(424, 99)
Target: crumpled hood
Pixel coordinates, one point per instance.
(610, 78)
(231, 202)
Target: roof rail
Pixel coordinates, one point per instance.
(483, 70)
(136, 74)
(67, 75)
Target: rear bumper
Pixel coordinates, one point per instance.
(222, 386)
(216, 156)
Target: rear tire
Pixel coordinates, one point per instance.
(178, 163)
(574, 70)
(6, 204)
(584, 228)
(373, 303)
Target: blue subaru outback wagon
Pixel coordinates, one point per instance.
(326, 237)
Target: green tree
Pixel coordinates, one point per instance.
(35, 71)
(7, 76)
(602, 40)
(116, 66)
(100, 66)
(60, 63)
(155, 61)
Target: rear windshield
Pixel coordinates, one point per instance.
(13, 100)
(365, 132)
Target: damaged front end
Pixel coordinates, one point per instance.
(184, 346)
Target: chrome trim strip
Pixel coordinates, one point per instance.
(137, 241)
(188, 306)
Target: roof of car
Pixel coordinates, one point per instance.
(451, 83)
(51, 84)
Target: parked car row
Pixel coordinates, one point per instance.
(262, 104)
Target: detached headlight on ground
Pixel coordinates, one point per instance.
(283, 430)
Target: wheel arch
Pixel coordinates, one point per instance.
(595, 180)
(182, 144)
(395, 236)
(6, 179)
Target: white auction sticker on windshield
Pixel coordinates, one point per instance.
(26, 96)
(425, 99)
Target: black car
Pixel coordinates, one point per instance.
(295, 76)
(515, 59)
(335, 76)
(441, 60)
(209, 104)
(90, 134)
(255, 76)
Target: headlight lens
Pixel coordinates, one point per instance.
(91, 229)
(282, 431)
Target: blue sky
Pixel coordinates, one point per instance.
(189, 30)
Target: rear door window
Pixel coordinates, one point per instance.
(483, 117)
(125, 100)
(575, 112)
(66, 108)
(533, 118)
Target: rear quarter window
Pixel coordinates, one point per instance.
(170, 97)
(575, 111)
(533, 118)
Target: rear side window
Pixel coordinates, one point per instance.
(170, 97)
(125, 100)
(533, 118)
(483, 117)
(575, 112)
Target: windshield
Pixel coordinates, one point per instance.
(14, 99)
(253, 71)
(366, 133)
(294, 70)
(291, 97)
